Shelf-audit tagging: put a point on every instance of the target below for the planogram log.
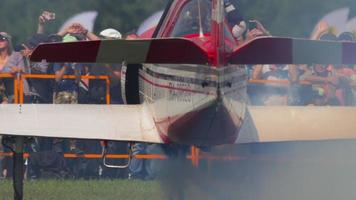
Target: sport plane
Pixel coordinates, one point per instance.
(187, 85)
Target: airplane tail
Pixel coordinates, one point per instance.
(160, 51)
(274, 50)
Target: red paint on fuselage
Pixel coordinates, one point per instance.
(216, 44)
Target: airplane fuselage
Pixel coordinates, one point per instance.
(195, 104)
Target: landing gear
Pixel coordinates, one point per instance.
(104, 157)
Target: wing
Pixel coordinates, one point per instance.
(105, 122)
(279, 124)
(170, 50)
(274, 50)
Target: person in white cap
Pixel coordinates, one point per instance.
(110, 33)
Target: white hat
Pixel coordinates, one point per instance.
(111, 33)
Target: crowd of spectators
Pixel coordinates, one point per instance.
(316, 85)
(46, 158)
(304, 85)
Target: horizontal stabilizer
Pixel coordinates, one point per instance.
(274, 50)
(308, 123)
(104, 122)
(160, 51)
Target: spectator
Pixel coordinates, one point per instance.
(41, 90)
(256, 29)
(46, 163)
(235, 20)
(97, 93)
(300, 94)
(323, 84)
(137, 166)
(110, 33)
(66, 91)
(323, 78)
(42, 19)
(328, 37)
(3, 96)
(10, 62)
(346, 37)
(345, 91)
(273, 94)
(321, 29)
(38, 90)
(87, 168)
(79, 32)
(96, 89)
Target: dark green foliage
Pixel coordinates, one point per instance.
(20, 17)
(282, 17)
(293, 17)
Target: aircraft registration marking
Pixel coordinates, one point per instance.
(180, 95)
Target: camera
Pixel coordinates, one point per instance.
(252, 25)
(49, 15)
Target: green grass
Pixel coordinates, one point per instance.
(85, 190)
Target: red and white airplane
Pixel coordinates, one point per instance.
(187, 85)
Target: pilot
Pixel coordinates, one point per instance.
(235, 19)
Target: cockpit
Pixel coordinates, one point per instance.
(193, 20)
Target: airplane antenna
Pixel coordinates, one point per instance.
(200, 23)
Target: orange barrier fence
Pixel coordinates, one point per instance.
(195, 158)
(19, 83)
(16, 85)
(98, 156)
(47, 76)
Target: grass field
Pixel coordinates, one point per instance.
(85, 190)
(293, 171)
